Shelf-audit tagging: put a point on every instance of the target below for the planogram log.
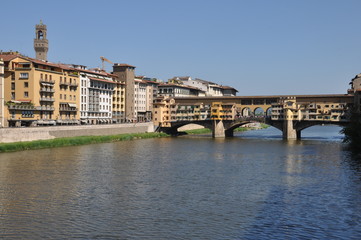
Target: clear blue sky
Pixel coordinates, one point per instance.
(260, 47)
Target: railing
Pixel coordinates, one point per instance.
(21, 107)
(61, 83)
(47, 90)
(47, 99)
(45, 108)
(47, 81)
(68, 109)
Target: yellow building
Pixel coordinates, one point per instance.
(118, 100)
(289, 109)
(38, 92)
(164, 111)
(223, 111)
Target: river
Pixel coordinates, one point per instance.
(252, 186)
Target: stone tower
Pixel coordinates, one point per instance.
(126, 74)
(41, 44)
(2, 105)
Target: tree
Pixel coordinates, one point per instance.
(352, 131)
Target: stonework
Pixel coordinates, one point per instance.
(41, 44)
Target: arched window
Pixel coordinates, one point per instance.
(40, 35)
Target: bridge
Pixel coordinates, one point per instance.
(290, 114)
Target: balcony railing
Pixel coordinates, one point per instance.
(68, 109)
(45, 108)
(21, 107)
(47, 81)
(44, 99)
(49, 90)
(61, 83)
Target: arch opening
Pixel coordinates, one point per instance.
(40, 35)
(246, 112)
(259, 112)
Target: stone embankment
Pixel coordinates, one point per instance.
(8, 135)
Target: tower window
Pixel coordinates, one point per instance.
(40, 35)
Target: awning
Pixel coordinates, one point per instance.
(72, 105)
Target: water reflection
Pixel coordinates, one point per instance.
(246, 187)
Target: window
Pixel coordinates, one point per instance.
(12, 86)
(12, 95)
(26, 94)
(64, 96)
(24, 75)
(61, 96)
(26, 84)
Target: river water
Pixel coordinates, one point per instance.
(252, 186)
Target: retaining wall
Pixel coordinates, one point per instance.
(43, 133)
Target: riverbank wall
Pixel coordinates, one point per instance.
(8, 135)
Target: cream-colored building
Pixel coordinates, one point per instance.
(2, 103)
(289, 109)
(39, 92)
(164, 111)
(118, 100)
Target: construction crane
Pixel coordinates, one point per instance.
(105, 59)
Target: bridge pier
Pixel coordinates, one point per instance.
(289, 132)
(218, 130)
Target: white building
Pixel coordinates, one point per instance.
(145, 92)
(209, 88)
(96, 95)
(140, 96)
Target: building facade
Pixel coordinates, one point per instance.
(126, 75)
(176, 90)
(289, 109)
(2, 103)
(208, 88)
(96, 95)
(38, 92)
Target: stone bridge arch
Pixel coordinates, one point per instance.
(173, 130)
(253, 110)
(229, 128)
(299, 126)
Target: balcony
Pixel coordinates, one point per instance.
(45, 108)
(45, 82)
(73, 84)
(20, 107)
(67, 109)
(45, 99)
(61, 83)
(48, 90)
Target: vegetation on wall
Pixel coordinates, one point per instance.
(352, 132)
